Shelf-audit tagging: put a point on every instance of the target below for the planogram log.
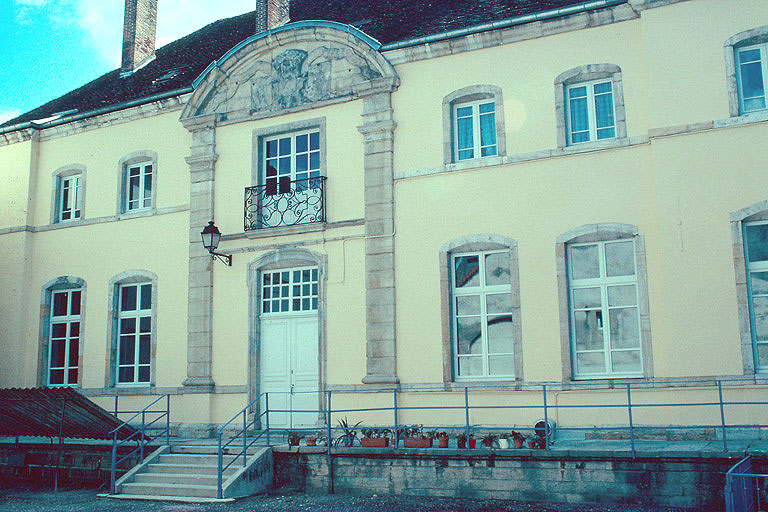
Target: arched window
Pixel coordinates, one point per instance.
(61, 326)
(603, 288)
(746, 67)
(473, 123)
(137, 181)
(481, 309)
(68, 201)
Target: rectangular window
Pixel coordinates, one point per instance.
(291, 161)
(138, 193)
(69, 198)
(604, 315)
(756, 249)
(590, 112)
(134, 333)
(475, 129)
(752, 74)
(64, 341)
(289, 291)
(482, 316)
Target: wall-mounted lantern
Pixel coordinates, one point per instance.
(211, 236)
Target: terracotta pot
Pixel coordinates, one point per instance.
(374, 442)
(311, 441)
(531, 443)
(518, 442)
(472, 443)
(442, 442)
(417, 442)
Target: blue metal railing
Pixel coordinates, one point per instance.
(742, 487)
(143, 438)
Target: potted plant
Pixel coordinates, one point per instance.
(518, 439)
(531, 443)
(294, 438)
(503, 441)
(442, 439)
(414, 437)
(311, 439)
(461, 440)
(489, 439)
(375, 438)
(349, 435)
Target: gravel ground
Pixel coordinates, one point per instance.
(22, 500)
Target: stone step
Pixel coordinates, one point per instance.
(173, 478)
(214, 449)
(196, 459)
(184, 469)
(164, 489)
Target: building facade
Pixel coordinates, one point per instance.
(573, 197)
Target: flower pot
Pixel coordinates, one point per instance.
(504, 444)
(417, 442)
(311, 441)
(518, 442)
(442, 442)
(293, 442)
(374, 442)
(531, 443)
(461, 443)
(472, 443)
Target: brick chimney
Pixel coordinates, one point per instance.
(139, 31)
(271, 13)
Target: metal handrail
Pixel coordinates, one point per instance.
(144, 440)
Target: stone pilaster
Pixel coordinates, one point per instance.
(378, 138)
(202, 163)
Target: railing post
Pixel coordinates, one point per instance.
(116, 405)
(114, 463)
(266, 413)
(328, 421)
(631, 425)
(546, 417)
(168, 420)
(142, 436)
(221, 464)
(722, 414)
(466, 413)
(397, 431)
(245, 435)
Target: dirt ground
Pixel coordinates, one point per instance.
(24, 500)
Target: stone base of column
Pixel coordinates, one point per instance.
(377, 378)
(199, 385)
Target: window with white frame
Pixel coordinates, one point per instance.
(138, 186)
(756, 256)
(291, 161)
(134, 333)
(482, 319)
(474, 129)
(289, 291)
(69, 198)
(604, 314)
(591, 113)
(752, 75)
(64, 339)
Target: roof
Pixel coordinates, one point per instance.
(178, 63)
(38, 412)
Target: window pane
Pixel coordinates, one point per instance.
(465, 135)
(620, 258)
(146, 296)
(470, 366)
(584, 298)
(58, 348)
(60, 304)
(127, 326)
(500, 334)
(74, 329)
(578, 118)
(757, 242)
(591, 362)
(760, 310)
(468, 334)
(128, 298)
(466, 271)
(59, 331)
(302, 163)
(314, 140)
(497, 269)
(625, 332)
(488, 130)
(759, 283)
(499, 303)
(145, 324)
(125, 374)
(127, 350)
(74, 347)
(75, 306)
(468, 305)
(57, 377)
(585, 262)
(285, 146)
(144, 349)
(626, 361)
(72, 376)
(302, 143)
(271, 148)
(752, 80)
(588, 328)
(762, 355)
(622, 295)
(144, 374)
(501, 365)
(604, 110)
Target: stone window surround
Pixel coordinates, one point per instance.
(470, 243)
(60, 283)
(58, 174)
(466, 94)
(135, 157)
(756, 211)
(749, 37)
(284, 257)
(602, 232)
(113, 292)
(260, 134)
(588, 73)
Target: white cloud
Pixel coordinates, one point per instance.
(5, 115)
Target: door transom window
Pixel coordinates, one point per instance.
(289, 291)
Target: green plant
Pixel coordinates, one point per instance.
(375, 433)
(294, 438)
(515, 436)
(488, 439)
(412, 431)
(349, 436)
(442, 434)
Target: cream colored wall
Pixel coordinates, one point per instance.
(15, 163)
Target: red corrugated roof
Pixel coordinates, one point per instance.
(51, 412)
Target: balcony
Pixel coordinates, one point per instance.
(285, 203)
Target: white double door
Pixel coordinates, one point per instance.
(289, 369)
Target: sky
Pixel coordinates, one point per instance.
(50, 47)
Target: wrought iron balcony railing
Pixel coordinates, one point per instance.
(285, 203)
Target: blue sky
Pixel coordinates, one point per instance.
(51, 47)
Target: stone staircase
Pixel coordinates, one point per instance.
(189, 473)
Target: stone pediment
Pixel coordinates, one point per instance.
(296, 68)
